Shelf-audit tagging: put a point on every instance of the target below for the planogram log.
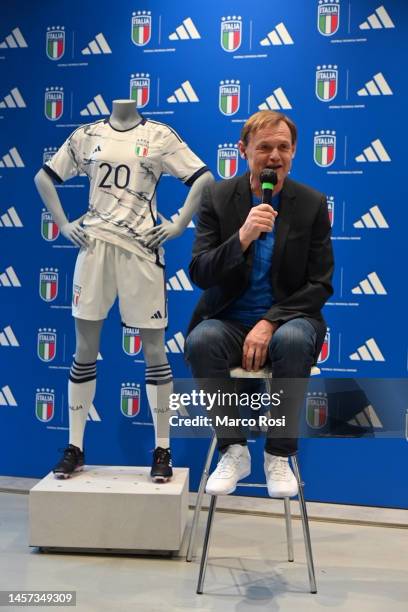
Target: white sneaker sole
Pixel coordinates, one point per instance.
(62, 476)
(232, 489)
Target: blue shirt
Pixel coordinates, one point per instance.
(258, 296)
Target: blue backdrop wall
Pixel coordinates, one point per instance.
(334, 66)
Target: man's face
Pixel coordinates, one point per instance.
(270, 147)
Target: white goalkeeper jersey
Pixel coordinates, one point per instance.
(124, 168)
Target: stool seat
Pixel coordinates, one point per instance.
(262, 373)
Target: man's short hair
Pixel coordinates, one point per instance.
(263, 119)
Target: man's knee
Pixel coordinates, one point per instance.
(204, 341)
(296, 337)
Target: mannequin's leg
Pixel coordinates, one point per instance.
(82, 377)
(159, 383)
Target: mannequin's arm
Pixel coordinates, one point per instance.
(168, 229)
(73, 231)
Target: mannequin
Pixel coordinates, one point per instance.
(120, 223)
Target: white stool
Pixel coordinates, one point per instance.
(266, 374)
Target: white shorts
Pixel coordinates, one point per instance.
(104, 271)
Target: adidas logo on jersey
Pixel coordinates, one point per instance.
(97, 46)
(276, 101)
(369, 351)
(185, 93)
(13, 100)
(374, 219)
(378, 20)
(9, 278)
(10, 218)
(157, 315)
(176, 344)
(14, 40)
(370, 286)
(179, 282)
(93, 415)
(378, 86)
(278, 36)
(185, 31)
(375, 152)
(96, 107)
(12, 159)
(6, 397)
(7, 337)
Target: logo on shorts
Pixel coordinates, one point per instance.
(76, 294)
(229, 97)
(141, 28)
(324, 148)
(227, 160)
(48, 284)
(325, 351)
(54, 103)
(328, 17)
(326, 82)
(130, 399)
(55, 42)
(317, 408)
(44, 404)
(140, 89)
(46, 344)
(231, 33)
(131, 341)
(49, 229)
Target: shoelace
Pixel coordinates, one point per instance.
(226, 464)
(279, 469)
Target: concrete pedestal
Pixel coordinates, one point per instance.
(115, 508)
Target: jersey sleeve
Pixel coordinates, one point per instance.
(179, 160)
(66, 163)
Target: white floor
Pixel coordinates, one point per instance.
(358, 568)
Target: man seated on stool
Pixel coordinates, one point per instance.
(263, 294)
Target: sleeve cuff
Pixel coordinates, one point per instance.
(195, 176)
(53, 175)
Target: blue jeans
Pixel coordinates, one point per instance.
(215, 346)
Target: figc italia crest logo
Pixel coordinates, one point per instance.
(231, 33)
(130, 399)
(326, 82)
(131, 341)
(325, 351)
(54, 103)
(48, 285)
(324, 148)
(55, 42)
(141, 28)
(140, 89)
(44, 404)
(229, 97)
(328, 17)
(227, 160)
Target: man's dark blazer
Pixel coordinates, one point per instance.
(302, 261)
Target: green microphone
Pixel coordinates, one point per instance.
(268, 179)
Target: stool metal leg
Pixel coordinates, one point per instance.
(289, 533)
(199, 500)
(206, 545)
(305, 525)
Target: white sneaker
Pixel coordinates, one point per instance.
(280, 479)
(234, 465)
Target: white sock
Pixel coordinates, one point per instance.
(159, 386)
(81, 392)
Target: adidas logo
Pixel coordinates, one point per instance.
(366, 418)
(10, 218)
(378, 20)
(9, 278)
(378, 86)
(185, 31)
(374, 153)
(276, 101)
(14, 40)
(12, 159)
(374, 219)
(185, 93)
(369, 351)
(178, 282)
(13, 100)
(176, 215)
(96, 107)
(176, 344)
(96, 150)
(157, 315)
(278, 36)
(6, 397)
(7, 337)
(97, 46)
(93, 415)
(370, 286)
